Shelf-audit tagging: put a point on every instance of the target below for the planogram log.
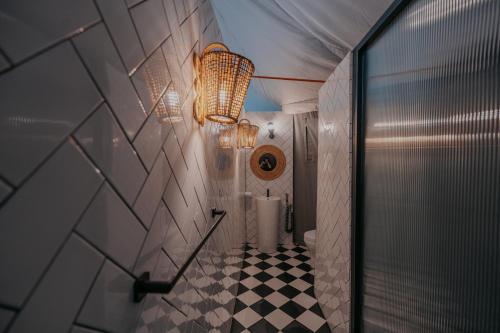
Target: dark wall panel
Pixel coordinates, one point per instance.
(431, 212)
(305, 171)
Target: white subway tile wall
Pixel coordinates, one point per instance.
(333, 221)
(94, 190)
(34, 108)
(283, 130)
(103, 140)
(4, 191)
(29, 27)
(96, 49)
(119, 22)
(4, 64)
(5, 318)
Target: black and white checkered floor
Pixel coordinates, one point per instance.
(276, 293)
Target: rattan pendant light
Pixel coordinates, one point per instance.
(223, 80)
(247, 134)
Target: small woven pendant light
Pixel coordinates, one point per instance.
(247, 134)
(225, 78)
(226, 137)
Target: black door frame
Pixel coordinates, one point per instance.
(358, 154)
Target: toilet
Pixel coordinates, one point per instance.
(310, 240)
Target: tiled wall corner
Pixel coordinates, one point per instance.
(94, 190)
(333, 221)
(283, 124)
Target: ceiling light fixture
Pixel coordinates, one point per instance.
(247, 134)
(222, 80)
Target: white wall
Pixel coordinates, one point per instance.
(93, 189)
(332, 270)
(283, 124)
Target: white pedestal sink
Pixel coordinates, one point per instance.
(268, 218)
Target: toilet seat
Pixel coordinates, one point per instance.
(310, 240)
(310, 237)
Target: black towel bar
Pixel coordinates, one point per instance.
(143, 285)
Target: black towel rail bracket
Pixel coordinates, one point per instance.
(216, 212)
(144, 285)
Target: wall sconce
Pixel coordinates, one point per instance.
(247, 134)
(270, 128)
(226, 137)
(222, 80)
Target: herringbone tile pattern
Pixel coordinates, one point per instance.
(283, 139)
(334, 190)
(94, 189)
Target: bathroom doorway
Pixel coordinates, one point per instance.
(305, 162)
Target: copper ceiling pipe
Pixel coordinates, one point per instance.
(286, 78)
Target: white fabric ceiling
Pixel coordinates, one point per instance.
(293, 38)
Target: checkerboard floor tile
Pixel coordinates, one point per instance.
(276, 293)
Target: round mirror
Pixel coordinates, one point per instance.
(268, 162)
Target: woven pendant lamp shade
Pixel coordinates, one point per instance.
(247, 134)
(225, 78)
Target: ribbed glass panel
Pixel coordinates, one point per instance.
(431, 252)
